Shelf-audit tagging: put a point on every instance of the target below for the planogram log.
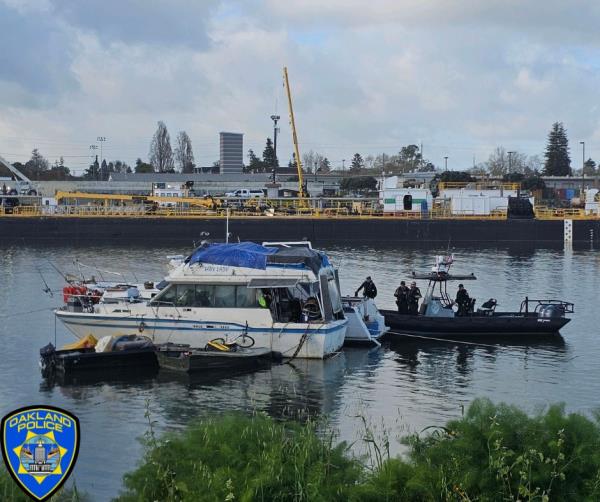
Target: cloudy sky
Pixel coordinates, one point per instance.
(460, 76)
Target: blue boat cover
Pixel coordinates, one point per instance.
(243, 254)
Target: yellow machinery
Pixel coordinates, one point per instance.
(294, 137)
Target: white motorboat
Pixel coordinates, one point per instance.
(365, 323)
(286, 298)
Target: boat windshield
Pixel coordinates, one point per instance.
(207, 296)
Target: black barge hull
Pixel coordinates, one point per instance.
(172, 231)
(505, 324)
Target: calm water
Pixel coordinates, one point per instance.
(405, 386)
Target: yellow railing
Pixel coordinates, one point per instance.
(554, 213)
(339, 211)
(477, 185)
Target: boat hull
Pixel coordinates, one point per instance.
(316, 341)
(194, 361)
(365, 323)
(507, 324)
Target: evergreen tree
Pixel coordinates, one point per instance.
(325, 165)
(292, 162)
(357, 163)
(143, 167)
(104, 170)
(558, 162)
(589, 168)
(268, 156)
(255, 165)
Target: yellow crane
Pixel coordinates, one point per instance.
(286, 81)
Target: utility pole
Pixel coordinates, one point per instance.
(343, 164)
(421, 151)
(94, 148)
(446, 163)
(275, 118)
(101, 139)
(510, 162)
(582, 143)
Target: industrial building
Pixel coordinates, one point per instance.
(231, 150)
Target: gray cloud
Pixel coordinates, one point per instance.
(155, 22)
(35, 58)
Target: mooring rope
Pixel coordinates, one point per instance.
(449, 340)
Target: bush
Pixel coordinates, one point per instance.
(497, 452)
(493, 453)
(244, 459)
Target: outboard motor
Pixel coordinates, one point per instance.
(552, 311)
(47, 361)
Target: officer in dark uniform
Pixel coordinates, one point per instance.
(462, 300)
(368, 287)
(414, 293)
(401, 295)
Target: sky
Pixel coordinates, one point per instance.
(461, 77)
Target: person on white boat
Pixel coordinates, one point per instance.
(368, 287)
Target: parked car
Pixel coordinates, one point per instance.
(246, 193)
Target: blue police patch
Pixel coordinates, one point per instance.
(40, 446)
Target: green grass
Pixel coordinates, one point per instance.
(10, 492)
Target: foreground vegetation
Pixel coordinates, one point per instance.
(495, 452)
(9, 491)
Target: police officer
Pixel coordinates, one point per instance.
(414, 293)
(368, 287)
(401, 295)
(462, 300)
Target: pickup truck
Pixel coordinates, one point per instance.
(246, 193)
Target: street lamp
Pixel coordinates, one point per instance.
(582, 143)
(446, 163)
(275, 118)
(510, 154)
(343, 166)
(101, 139)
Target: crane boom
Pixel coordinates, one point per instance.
(294, 136)
(18, 174)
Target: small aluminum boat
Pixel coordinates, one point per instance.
(178, 357)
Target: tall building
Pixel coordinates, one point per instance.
(232, 152)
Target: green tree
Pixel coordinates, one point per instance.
(37, 165)
(143, 167)
(255, 165)
(358, 184)
(268, 156)
(93, 171)
(558, 162)
(292, 162)
(357, 163)
(325, 166)
(589, 168)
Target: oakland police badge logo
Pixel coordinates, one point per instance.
(40, 446)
